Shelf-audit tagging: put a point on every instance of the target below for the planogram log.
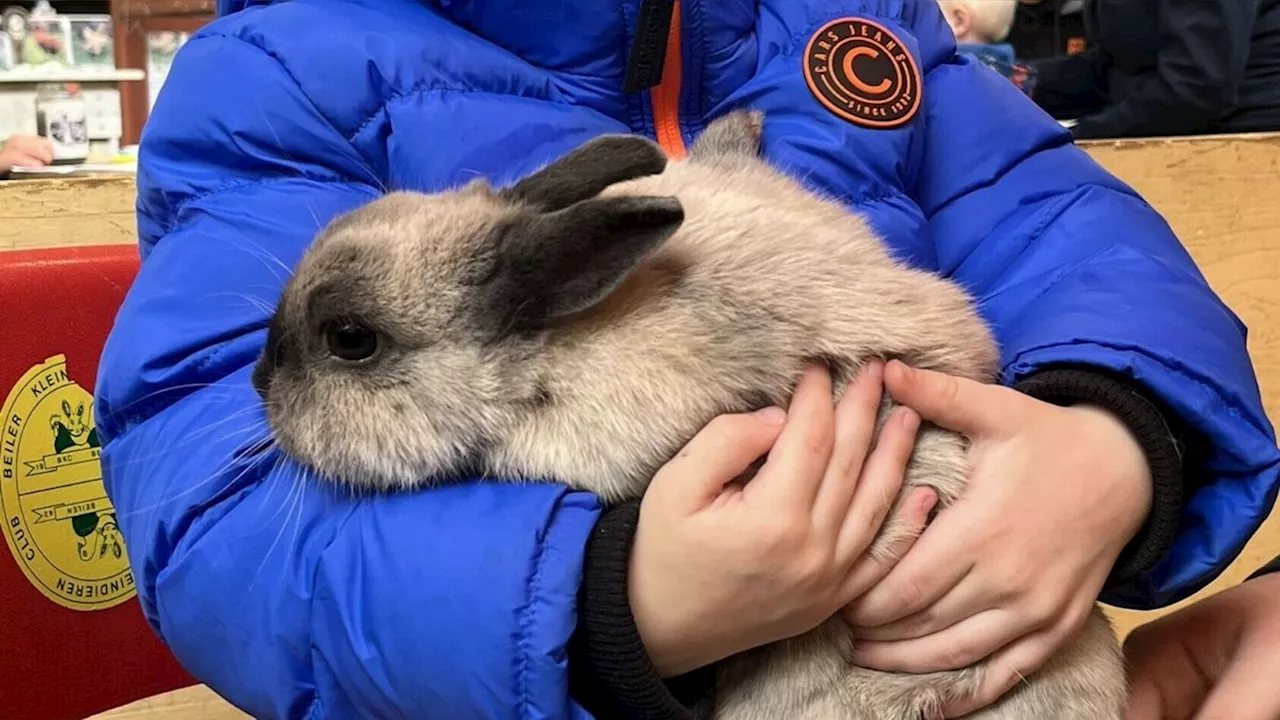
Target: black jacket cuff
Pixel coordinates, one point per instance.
(1160, 444)
(1268, 569)
(610, 672)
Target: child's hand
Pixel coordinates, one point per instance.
(1216, 658)
(25, 151)
(717, 569)
(1016, 565)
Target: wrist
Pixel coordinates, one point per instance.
(671, 651)
(675, 645)
(676, 642)
(1130, 473)
(1130, 404)
(611, 671)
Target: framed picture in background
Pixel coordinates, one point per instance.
(147, 35)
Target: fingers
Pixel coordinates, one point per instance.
(954, 607)
(1247, 689)
(1145, 703)
(1167, 679)
(881, 479)
(959, 646)
(870, 569)
(1153, 698)
(855, 424)
(794, 471)
(721, 452)
(46, 151)
(28, 150)
(41, 149)
(929, 572)
(1012, 665)
(20, 158)
(954, 403)
(1212, 660)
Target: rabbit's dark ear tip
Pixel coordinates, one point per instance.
(636, 153)
(643, 211)
(669, 209)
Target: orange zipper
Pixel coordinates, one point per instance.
(665, 98)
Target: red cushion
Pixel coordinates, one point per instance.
(73, 641)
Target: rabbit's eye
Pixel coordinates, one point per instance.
(351, 342)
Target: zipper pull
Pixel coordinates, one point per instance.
(647, 57)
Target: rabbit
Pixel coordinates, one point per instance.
(584, 323)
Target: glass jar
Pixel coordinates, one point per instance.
(61, 117)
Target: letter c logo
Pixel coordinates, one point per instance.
(852, 74)
(887, 96)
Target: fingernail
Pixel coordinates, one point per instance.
(772, 415)
(908, 420)
(874, 368)
(926, 499)
(901, 368)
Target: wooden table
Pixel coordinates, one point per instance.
(56, 212)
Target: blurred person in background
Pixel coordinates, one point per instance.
(979, 22)
(24, 151)
(982, 29)
(1169, 67)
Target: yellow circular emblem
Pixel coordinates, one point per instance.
(57, 519)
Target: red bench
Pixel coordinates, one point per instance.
(73, 641)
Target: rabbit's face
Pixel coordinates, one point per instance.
(379, 361)
(407, 342)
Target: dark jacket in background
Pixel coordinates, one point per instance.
(1169, 67)
(1047, 29)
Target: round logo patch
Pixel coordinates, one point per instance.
(57, 519)
(862, 72)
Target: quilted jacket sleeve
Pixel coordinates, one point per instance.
(288, 598)
(1074, 269)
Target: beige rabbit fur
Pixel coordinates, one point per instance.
(584, 324)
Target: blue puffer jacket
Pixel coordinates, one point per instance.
(296, 601)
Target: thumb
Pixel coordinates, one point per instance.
(1147, 703)
(1173, 662)
(42, 150)
(720, 453)
(954, 403)
(23, 159)
(1245, 689)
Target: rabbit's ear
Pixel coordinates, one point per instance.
(66, 408)
(560, 263)
(586, 171)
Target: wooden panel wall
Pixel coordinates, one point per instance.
(1222, 197)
